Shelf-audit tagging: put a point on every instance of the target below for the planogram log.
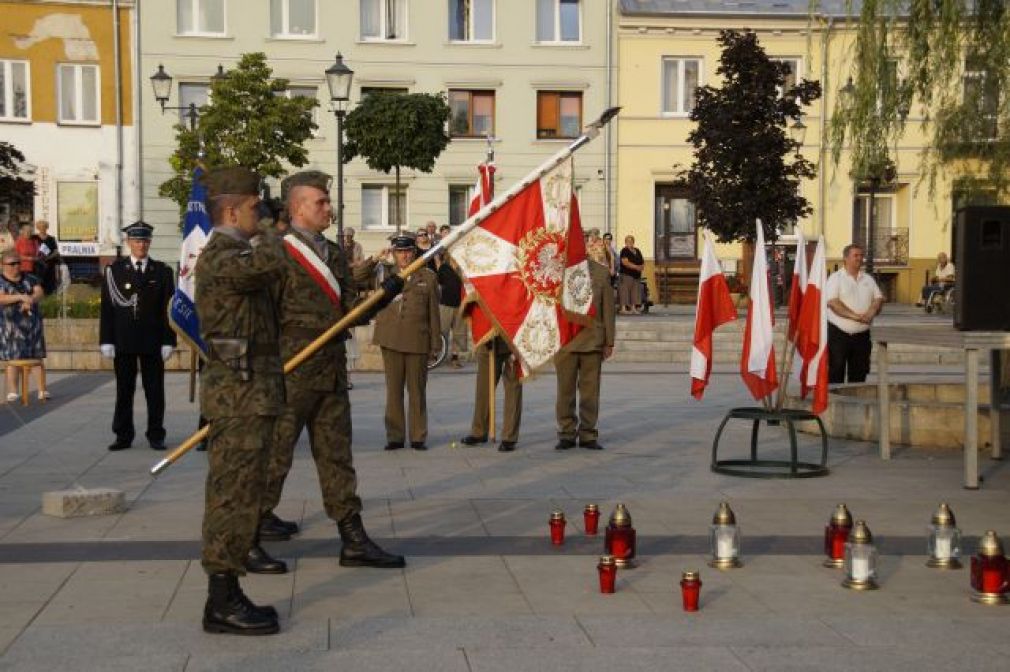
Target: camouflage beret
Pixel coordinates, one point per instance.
(306, 178)
(233, 181)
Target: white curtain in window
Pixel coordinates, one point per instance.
(211, 16)
(671, 85)
(545, 20)
(19, 90)
(302, 20)
(89, 93)
(569, 16)
(370, 18)
(371, 207)
(184, 15)
(396, 19)
(690, 84)
(68, 93)
(483, 19)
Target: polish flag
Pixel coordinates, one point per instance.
(798, 284)
(714, 308)
(757, 365)
(812, 333)
(481, 327)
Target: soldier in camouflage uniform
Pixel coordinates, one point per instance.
(316, 292)
(242, 393)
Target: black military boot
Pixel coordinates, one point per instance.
(229, 611)
(360, 551)
(272, 528)
(258, 561)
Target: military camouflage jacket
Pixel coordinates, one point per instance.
(234, 300)
(306, 312)
(600, 333)
(410, 323)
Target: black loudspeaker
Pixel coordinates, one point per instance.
(982, 267)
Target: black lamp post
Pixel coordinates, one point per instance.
(161, 82)
(338, 79)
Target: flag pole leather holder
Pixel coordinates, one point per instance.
(768, 468)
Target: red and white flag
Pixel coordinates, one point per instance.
(713, 309)
(757, 365)
(812, 333)
(527, 264)
(798, 284)
(481, 327)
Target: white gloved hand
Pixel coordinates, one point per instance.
(166, 352)
(108, 350)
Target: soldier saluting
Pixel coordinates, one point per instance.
(133, 328)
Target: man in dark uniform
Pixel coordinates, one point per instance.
(317, 291)
(134, 327)
(242, 393)
(409, 334)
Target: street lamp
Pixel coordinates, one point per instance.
(798, 131)
(161, 82)
(847, 93)
(338, 79)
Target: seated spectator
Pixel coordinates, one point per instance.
(943, 278)
(21, 334)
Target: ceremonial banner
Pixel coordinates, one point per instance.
(481, 327)
(812, 333)
(757, 365)
(527, 264)
(713, 309)
(195, 231)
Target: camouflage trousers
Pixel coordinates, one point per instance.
(237, 453)
(328, 417)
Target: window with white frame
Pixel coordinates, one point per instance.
(383, 19)
(981, 95)
(471, 20)
(472, 113)
(378, 206)
(293, 18)
(200, 17)
(196, 93)
(794, 74)
(303, 91)
(459, 203)
(681, 77)
(78, 93)
(559, 21)
(15, 93)
(559, 114)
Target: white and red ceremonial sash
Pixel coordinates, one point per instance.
(812, 333)
(527, 265)
(714, 308)
(314, 266)
(757, 365)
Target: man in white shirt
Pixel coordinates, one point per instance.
(943, 277)
(853, 301)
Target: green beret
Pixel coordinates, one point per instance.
(232, 181)
(306, 178)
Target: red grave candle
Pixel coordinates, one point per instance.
(690, 590)
(608, 573)
(557, 524)
(989, 574)
(836, 533)
(591, 518)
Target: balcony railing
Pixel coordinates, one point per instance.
(890, 246)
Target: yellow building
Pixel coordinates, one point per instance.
(666, 49)
(66, 101)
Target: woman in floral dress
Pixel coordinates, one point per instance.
(20, 320)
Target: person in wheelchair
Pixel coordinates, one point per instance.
(942, 280)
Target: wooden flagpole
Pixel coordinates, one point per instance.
(492, 353)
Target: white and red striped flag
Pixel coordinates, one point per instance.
(812, 333)
(798, 284)
(481, 327)
(757, 365)
(713, 309)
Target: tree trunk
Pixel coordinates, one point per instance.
(396, 201)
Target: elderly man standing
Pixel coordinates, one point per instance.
(853, 300)
(317, 291)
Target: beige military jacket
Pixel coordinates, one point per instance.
(410, 323)
(600, 333)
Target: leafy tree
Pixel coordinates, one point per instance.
(247, 122)
(956, 55)
(745, 164)
(398, 130)
(13, 187)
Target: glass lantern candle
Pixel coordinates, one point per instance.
(725, 539)
(860, 559)
(557, 523)
(690, 590)
(607, 569)
(989, 571)
(591, 518)
(620, 538)
(944, 543)
(836, 534)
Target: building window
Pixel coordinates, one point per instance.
(383, 19)
(675, 223)
(472, 113)
(309, 92)
(459, 203)
(200, 17)
(78, 94)
(195, 93)
(559, 21)
(981, 95)
(793, 75)
(471, 20)
(378, 206)
(292, 18)
(15, 96)
(559, 114)
(382, 90)
(681, 77)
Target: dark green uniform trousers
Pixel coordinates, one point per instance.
(410, 370)
(237, 455)
(578, 371)
(328, 417)
(513, 394)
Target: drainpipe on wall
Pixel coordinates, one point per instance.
(138, 122)
(117, 56)
(608, 154)
(822, 181)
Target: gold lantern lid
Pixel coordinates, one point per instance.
(724, 515)
(592, 508)
(557, 514)
(607, 561)
(841, 516)
(620, 517)
(860, 534)
(944, 517)
(989, 545)
(690, 575)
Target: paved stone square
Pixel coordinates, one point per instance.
(483, 589)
